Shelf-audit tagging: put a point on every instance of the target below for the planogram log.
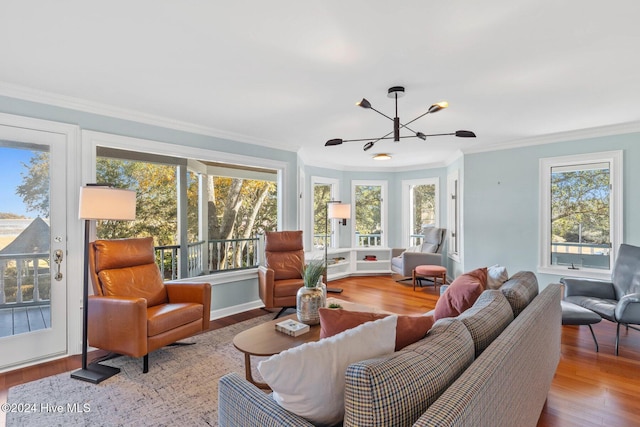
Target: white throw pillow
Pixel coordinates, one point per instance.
(309, 380)
(496, 276)
(413, 249)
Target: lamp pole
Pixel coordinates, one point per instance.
(340, 211)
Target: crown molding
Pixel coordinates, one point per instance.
(42, 97)
(572, 135)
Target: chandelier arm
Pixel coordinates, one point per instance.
(408, 128)
(440, 134)
(359, 140)
(381, 113)
(419, 117)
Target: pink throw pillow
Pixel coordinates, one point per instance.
(409, 329)
(461, 294)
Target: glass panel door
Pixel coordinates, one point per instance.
(32, 245)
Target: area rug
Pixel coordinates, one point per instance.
(181, 388)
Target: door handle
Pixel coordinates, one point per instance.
(57, 258)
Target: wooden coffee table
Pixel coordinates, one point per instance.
(264, 340)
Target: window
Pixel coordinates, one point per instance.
(370, 213)
(204, 210)
(581, 224)
(453, 214)
(324, 190)
(420, 198)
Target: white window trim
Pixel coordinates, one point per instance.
(451, 215)
(383, 209)
(614, 158)
(406, 203)
(335, 191)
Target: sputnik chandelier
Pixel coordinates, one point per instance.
(396, 92)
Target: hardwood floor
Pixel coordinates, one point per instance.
(589, 388)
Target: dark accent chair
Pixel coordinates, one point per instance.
(133, 312)
(403, 262)
(281, 276)
(618, 300)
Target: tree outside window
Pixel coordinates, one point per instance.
(369, 218)
(238, 209)
(321, 196)
(580, 215)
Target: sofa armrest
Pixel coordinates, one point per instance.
(628, 309)
(199, 293)
(397, 252)
(576, 286)
(240, 403)
(118, 324)
(189, 292)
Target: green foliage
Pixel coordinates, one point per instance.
(321, 195)
(580, 206)
(312, 272)
(368, 209)
(156, 199)
(34, 189)
(424, 206)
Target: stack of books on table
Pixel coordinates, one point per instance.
(292, 327)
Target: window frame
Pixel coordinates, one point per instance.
(383, 210)
(616, 213)
(407, 203)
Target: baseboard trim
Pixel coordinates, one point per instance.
(235, 309)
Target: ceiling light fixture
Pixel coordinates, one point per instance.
(396, 92)
(382, 156)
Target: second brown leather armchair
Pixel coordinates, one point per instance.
(281, 276)
(133, 312)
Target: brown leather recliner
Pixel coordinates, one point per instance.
(132, 312)
(281, 276)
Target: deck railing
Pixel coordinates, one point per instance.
(374, 239)
(223, 255)
(24, 278)
(581, 255)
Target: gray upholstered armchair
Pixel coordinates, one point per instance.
(617, 301)
(403, 261)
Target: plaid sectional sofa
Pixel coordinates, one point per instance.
(491, 366)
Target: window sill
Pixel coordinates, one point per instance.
(222, 277)
(567, 272)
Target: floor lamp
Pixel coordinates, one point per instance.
(335, 210)
(103, 202)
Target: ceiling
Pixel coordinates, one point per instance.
(287, 73)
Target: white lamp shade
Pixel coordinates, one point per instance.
(339, 211)
(107, 203)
